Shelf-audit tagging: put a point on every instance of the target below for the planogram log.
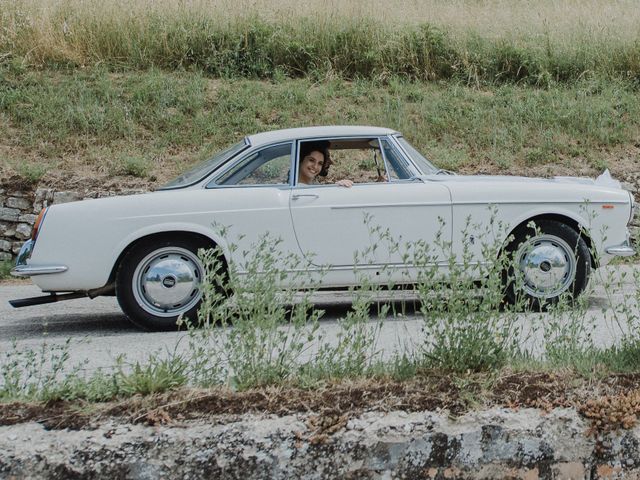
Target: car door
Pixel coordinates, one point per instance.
(371, 225)
(251, 200)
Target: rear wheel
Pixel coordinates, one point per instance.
(546, 263)
(159, 280)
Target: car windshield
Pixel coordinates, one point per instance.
(425, 166)
(203, 169)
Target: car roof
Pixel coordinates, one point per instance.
(316, 132)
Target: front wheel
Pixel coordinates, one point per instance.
(547, 262)
(159, 281)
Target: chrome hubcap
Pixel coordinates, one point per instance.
(167, 282)
(547, 265)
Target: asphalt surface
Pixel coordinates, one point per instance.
(97, 332)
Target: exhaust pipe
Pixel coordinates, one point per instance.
(55, 297)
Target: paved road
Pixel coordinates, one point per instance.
(98, 332)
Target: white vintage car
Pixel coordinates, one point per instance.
(143, 248)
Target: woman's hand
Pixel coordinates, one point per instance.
(345, 183)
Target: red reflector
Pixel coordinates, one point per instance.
(36, 225)
(607, 207)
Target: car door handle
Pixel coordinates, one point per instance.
(296, 196)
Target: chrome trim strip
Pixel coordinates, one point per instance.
(279, 186)
(315, 268)
(29, 270)
(537, 202)
(296, 196)
(377, 205)
(621, 251)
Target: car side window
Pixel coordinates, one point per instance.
(359, 160)
(269, 166)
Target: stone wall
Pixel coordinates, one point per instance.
(524, 444)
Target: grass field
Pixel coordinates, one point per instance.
(495, 41)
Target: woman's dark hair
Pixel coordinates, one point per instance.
(323, 147)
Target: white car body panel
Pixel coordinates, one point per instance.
(122, 220)
(514, 200)
(330, 220)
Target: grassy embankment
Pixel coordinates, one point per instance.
(84, 126)
(96, 90)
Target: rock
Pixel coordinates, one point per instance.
(23, 231)
(5, 246)
(66, 197)
(15, 247)
(19, 203)
(628, 186)
(17, 193)
(28, 218)
(4, 256)
(9, 214)
(43, 198)
(6, 227)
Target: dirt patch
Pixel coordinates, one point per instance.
(15, 281)
(335, 402)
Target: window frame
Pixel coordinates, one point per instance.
(329, 139)
(410, 167)
(413, 170)
(396, 138)
(211, 183)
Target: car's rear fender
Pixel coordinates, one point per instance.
(203, 236)
(92, 268)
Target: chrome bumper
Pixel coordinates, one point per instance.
(623, 250)
(23, 270)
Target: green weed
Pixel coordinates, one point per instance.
(155, 374)
(133, 166)
(5, 269)
(31, 173)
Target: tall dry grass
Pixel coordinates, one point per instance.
(493, 40)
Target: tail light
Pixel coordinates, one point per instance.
(36, 225)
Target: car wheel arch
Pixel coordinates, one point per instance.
(154, 237)
(569, 221)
